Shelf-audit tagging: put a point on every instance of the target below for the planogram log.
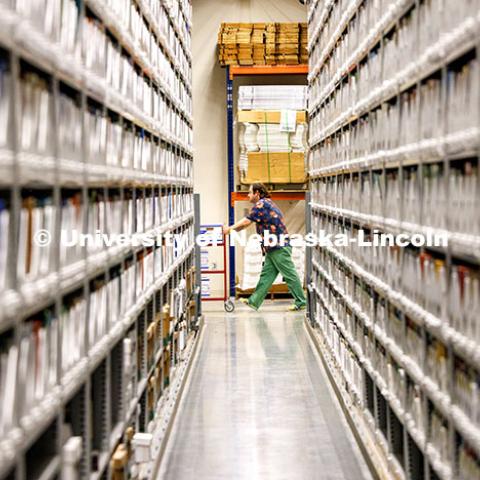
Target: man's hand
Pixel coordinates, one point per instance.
(237, 227)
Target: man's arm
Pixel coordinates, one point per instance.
(240, 225)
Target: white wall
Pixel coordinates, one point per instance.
(209, 95)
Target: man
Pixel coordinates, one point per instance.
(268, 217)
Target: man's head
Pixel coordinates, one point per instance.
(256, 192)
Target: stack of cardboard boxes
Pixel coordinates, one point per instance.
(272, 166)
(262, 44)
(287, 43)
(303, 44)
(270, 35)
(227, 41)
(258, 43)
(244, 44)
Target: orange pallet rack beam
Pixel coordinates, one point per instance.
(268, 70)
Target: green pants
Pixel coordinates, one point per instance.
(278, 260)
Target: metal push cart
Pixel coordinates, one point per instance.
(214, 231)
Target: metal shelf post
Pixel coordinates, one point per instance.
(198, 263)
(231, 176)
(233, 196)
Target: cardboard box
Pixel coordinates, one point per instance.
(284, 167)
(266, 116)
(166, 324)
(150, 343)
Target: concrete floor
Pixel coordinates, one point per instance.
(258, 406)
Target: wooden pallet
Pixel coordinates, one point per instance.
(275, 292)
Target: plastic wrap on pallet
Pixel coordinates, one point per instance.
(272, 97)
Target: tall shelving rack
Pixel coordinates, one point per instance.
(394, 139)
(233, 194)
(129, 351)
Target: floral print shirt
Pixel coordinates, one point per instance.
(267, 216)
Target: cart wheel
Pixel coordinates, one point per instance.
(229, 306)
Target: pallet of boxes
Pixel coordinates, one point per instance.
(272, 134)
(251, 44)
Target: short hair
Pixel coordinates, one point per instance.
(261, 189)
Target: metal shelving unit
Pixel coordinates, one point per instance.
(233, 195)
(398, 356)
(98, 395)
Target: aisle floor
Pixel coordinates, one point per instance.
(258, 406)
